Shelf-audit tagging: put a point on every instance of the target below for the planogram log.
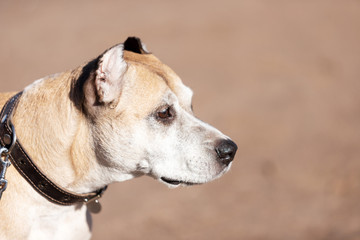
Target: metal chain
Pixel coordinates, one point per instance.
(4, 155)
(5, 163)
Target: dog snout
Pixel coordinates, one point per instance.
(226, 150)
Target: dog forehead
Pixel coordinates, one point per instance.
(150, 65)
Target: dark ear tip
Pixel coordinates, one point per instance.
(133, 44)
(132, 40)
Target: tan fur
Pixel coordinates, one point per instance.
(150, 63)
(47, 139)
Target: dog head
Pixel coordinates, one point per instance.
(141, 120)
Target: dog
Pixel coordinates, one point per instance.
(122, 115)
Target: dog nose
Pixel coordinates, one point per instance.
(226, 150)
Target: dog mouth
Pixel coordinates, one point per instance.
(176, 182)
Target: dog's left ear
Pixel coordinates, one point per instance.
(107, 70)
(108, 81)
(111, 68)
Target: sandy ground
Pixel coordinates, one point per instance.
(280, 77)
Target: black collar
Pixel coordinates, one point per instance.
(25, 166)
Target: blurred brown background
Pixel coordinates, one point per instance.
(280, 77)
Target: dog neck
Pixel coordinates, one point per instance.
(56, 134)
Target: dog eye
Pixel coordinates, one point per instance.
(165, 113)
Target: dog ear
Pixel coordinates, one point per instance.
(101, 80)
(134, 44)
(108, 80)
